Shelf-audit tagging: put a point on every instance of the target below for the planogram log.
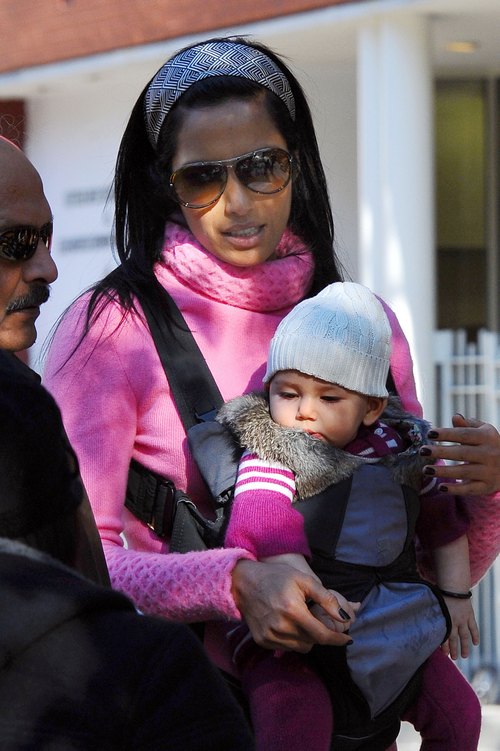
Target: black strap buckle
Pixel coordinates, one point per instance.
(151, 498)
(162, 512)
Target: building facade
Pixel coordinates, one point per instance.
(414, 191)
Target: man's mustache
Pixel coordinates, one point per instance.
(36, 296)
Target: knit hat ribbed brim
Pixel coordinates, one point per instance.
(342, 336)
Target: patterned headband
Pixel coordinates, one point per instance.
(203, 61)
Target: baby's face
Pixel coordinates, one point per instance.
(324, 410)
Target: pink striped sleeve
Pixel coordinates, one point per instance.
(263, 520)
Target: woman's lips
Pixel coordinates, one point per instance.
(244, 237)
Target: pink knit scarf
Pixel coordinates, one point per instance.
(273, 285)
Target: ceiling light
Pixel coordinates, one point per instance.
(465, 48)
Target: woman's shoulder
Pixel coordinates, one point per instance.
(107, 318)
(107, 335)
(402, 363)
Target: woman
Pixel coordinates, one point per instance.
(221, 199)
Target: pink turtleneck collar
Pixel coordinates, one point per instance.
(272, 285)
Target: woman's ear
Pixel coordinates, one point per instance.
(375, 405)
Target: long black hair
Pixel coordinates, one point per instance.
(143, 203)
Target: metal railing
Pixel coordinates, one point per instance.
(468, 381)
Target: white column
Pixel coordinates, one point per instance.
(395, 179)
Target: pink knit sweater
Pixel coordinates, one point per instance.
(115, 402)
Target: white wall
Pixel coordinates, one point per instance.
(332, 95)
(73, 141)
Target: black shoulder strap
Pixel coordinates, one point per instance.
(193, 387)
(149, 497)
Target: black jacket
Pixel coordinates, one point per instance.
(40, 484)
(81, 669)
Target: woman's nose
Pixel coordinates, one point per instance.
(237, 196)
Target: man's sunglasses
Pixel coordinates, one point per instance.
(20, 243)
(200, 184)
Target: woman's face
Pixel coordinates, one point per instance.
(242, 227)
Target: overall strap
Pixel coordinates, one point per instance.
(193, 387)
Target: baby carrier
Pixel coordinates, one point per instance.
(359, 519)
(370, 557)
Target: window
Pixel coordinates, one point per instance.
(464, 258)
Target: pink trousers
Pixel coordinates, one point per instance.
(291, 708)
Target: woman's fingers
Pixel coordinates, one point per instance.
(475, 450)
(273, 599)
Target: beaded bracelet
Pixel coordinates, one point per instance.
(457, 595)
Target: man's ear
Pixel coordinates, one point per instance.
(374, 408)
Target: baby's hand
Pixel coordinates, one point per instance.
(347, 613)
(463, 626)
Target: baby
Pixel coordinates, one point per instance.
(330, 481)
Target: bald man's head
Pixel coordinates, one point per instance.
(26, 266)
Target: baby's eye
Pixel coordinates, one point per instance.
(287, 395)
(330, 399)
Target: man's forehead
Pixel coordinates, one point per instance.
(10, 153)
(22, 199)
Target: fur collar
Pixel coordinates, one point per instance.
(316, 464)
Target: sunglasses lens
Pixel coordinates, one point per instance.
(46, 235)
(266, 171)
(18, 243)
(199, 185)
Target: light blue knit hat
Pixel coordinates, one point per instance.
(342, 336)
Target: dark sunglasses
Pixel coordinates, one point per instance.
(20, 243)
(200, 184)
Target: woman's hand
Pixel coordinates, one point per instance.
(272, 599)
(346, 611)
(477, 447)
